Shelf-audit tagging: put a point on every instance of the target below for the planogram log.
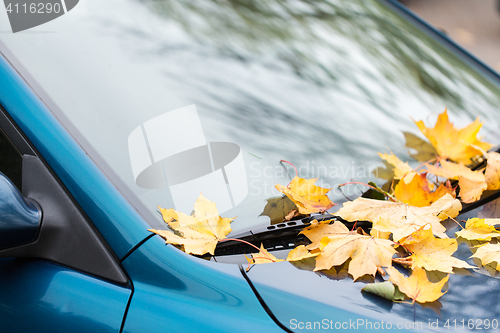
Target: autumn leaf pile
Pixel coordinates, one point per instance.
(406, 234)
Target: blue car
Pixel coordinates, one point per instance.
(117, 108)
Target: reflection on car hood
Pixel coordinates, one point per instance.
(296, 295)
(319, 299)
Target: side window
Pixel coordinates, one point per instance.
(10, 160)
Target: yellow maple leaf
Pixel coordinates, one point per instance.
(308, 197)
(400, 218)
(479, 229)
(300, 253)
(199, 233)
(368, 253)
(402, 170)
(263, 257)
(417, 286)
(459, 145)
(431, 253)
(489, 254)
(492, 173)
(418, 193)
(472, 183)
(320, 229)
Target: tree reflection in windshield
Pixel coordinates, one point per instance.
(321, 84)
(294, 30)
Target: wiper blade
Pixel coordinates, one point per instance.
(280, 236)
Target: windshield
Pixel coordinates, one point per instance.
(183, 97)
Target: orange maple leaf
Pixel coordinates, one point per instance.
(459, 145)
(418, 193)
(471, 183)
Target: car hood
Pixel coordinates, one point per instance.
(299, 297)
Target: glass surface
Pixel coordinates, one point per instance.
(183, 97)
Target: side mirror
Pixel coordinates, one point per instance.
(61, 234)
(19, 217)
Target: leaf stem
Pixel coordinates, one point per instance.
(415, 298)
(263, 258)
(296, 172)
(354, 226)
(345, 196)
(452, 219)
(239, 240)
